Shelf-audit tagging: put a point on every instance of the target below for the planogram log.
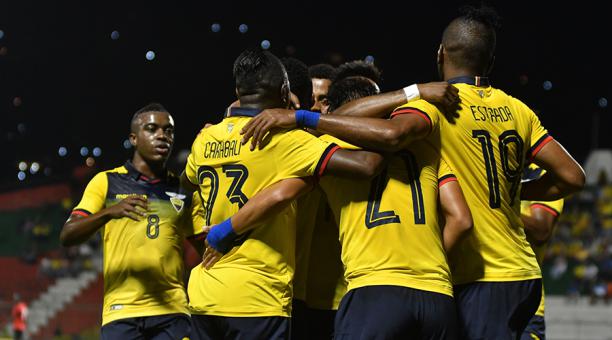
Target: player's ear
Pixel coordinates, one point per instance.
(440, 57)
(133, 139)
(285, 94)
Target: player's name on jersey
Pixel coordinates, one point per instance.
(222, 149)
(123, 196)
(492, 114)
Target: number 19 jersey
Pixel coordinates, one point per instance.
(487, 144)
(255, 278)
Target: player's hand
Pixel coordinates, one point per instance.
(134, 207)
(294, 101)
(257, 128)
(441, 93)
(211, 255)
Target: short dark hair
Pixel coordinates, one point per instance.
(470, 39)
(256, 70)
(322, 71)
(151, 107)
(348, 89)
(299, 80)
(359, 68)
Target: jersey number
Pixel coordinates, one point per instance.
(152, 226)
(374, 217)
(238, 173)
(513, 176)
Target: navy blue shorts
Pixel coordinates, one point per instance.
(159, 327)
(213, 327)
(536, 329)
(496, 310)
(394, 312)
(310, 323)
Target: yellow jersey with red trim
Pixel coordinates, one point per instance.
(143, 260)
(255, 278)
(389, 227)
(319, 273)
(554, 208)
(487, 143)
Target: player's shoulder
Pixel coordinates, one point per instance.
(420, 105)
(339, 142)
(517, 103)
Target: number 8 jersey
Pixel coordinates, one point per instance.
(143, 260)
(487, 143)
(255, 278)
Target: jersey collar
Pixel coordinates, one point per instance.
(136, 175)
(243, 112)
(475, 80)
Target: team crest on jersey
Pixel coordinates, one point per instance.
(176, 200)
(230, 127)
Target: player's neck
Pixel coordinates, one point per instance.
(259, 102)
(452, 72)
(149, 169)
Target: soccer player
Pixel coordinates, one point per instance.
(359, 68)
(248, 292)
(487, 141)
(144, 218)
(540, 219)
(301, 85)
(322, 76)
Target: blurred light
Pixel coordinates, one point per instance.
(21, 127)
(369, 59)
(215, 27)
(84, 151)
(1, 34)
(243, 28)
(23, 166)
(21, 175)
(97, 152)
(150, 55)
(115, 35)
(3, 51)
(34, 168)
(62, 151)
(90, 161)
(48, 171)
(524, 79)
(265, 44)
(547, 85)
(603, 102)
(126, 144)
(17, 101)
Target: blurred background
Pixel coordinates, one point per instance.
(73, 73)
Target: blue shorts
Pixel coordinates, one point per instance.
(159, 327)
(536, 329)
(496, 310)
(212, 327)
(310, 323)
(394, 312)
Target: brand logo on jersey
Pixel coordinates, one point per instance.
(176, 200)
(116, 307)
(481, 93)
(230, 127)
(124, 196)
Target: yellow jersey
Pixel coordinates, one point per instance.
(487, 144)
(255, 278)
(319, 273)
(554, 208)
(391, 241)
(143, 260)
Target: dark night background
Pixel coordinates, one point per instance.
(78, 87)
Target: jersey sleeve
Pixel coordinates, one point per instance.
(539, 135)
(553, 207)
(191, 170)
(342, 144)
(445, 173)
(94, 197)
(303, 155)
(421, 108)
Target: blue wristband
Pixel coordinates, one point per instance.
(221, 237)
(309, 119)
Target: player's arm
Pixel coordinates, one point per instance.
(379, 106)
(370, 133)
(540, 225)
(455, 212)
(355, 164)
(81, 226)
(563, 176)
(268, 202)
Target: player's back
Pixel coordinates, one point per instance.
(487, 144)
(253, 279)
